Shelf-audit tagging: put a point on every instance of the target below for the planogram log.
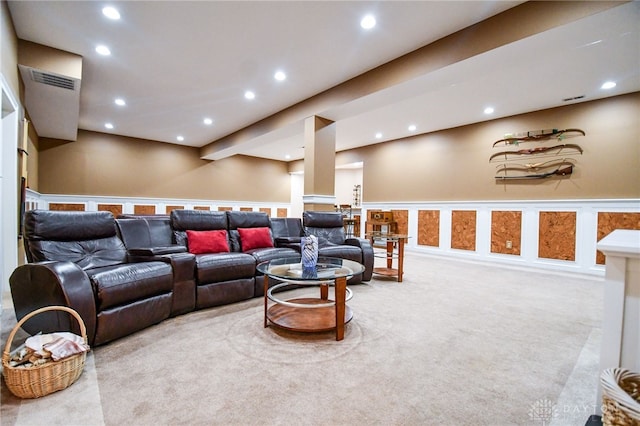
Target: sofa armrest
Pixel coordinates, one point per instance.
(367, 255)
(156, 251)
(288, 242)
(36, 285)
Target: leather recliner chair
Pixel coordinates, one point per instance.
(148, 238)
(328, 227)
(77, 260)
(247, 220)
(223, 277)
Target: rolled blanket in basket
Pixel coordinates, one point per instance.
(56, 345)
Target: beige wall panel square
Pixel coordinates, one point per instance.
(246, 209)
(207, 208)
(225, 209)
(67, 207)
(608, 222)
(144, 209)
(115, 209)
(282, 212)
(506, 226)
(557, 235)
(463, 229)
(429, 228)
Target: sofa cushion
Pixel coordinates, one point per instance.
(241, 219)
(144, 231)
(121, 284)
(86, 254)
(195, 220)
(86, 238)
(270, 253)
(341, 251)
(253, 238)
(200, 242)
(218, 267)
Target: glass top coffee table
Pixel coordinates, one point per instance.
(309, 314)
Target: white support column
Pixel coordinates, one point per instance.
(9, 135)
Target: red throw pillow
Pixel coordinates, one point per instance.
(253, 238)
(201, 242)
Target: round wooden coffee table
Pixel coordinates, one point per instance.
(309, 314)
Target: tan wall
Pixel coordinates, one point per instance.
(454, 164)
(49, 59)
(449, 165)
(103, 164)
(32, 160)
(9, 48)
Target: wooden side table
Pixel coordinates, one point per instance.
(394, 250)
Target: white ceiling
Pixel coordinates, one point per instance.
(177, 62)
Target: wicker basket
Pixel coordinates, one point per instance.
(47, 378)
(620, 397)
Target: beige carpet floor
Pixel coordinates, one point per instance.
(457, 343)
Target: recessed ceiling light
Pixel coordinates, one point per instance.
(108, 125)
(180, 138)
(287, 156)
(368, 22)
(378, 135)
(280, 76)
(103, 50)
(488, 110)
(608, 85)
(120, 102)
(412, 127)
(249, 94)
(208, 121)
(111, 12)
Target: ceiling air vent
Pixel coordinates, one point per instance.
(53, 80)
(574, 98)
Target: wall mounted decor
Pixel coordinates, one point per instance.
(558, 166)
(543, 170)
(556, 150)
(539, 135)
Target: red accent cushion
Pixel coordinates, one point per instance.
(201, 242)
(253, 238)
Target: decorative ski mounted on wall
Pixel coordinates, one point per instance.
(539, 135)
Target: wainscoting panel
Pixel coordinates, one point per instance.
(429, 228)
(115, 209)
(547, 234)
(553, 234)
(401, 217)
(168, 209)
(608, 221)
(144, 209)
(463, 230)
(224, 209)
(557, 235)
(506, 226)
(67, 207)
(129, 205)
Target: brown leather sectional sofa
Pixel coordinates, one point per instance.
(123, 275)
